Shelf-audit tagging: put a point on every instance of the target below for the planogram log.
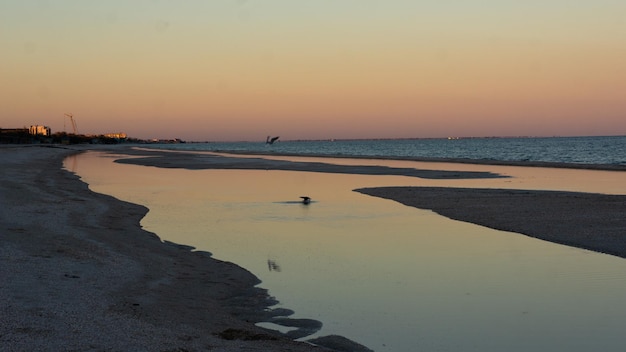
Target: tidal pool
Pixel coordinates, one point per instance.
(391, 277)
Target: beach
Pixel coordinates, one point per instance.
(82, 274)
(79, 273)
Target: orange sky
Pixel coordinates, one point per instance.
(240, 70)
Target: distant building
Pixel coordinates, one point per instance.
(119, 135)
(38, 130)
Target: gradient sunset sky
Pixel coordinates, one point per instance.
(316, 69)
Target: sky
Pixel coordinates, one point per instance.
(235, 70)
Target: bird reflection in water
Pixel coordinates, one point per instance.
(273, 266)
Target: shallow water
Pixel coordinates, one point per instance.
(391, 277)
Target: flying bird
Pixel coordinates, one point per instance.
(271, 140)
(306, 200)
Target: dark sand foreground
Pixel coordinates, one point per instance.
(77, 273)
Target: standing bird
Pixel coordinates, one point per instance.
(305, 200)
(271, 140)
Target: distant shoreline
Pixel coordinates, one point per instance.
(410, 139)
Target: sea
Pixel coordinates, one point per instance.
(607, 150)
(391, 277)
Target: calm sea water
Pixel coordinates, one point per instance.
(583, 150)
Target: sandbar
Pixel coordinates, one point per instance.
(590, 221)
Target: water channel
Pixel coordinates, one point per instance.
(391, 277)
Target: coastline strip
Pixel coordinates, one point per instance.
(203, 161)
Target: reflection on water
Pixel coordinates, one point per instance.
(392, 277)
(273, 266)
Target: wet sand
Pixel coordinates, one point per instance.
(197, 161)
(79, 273)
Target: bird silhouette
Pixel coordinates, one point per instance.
(271, 140)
